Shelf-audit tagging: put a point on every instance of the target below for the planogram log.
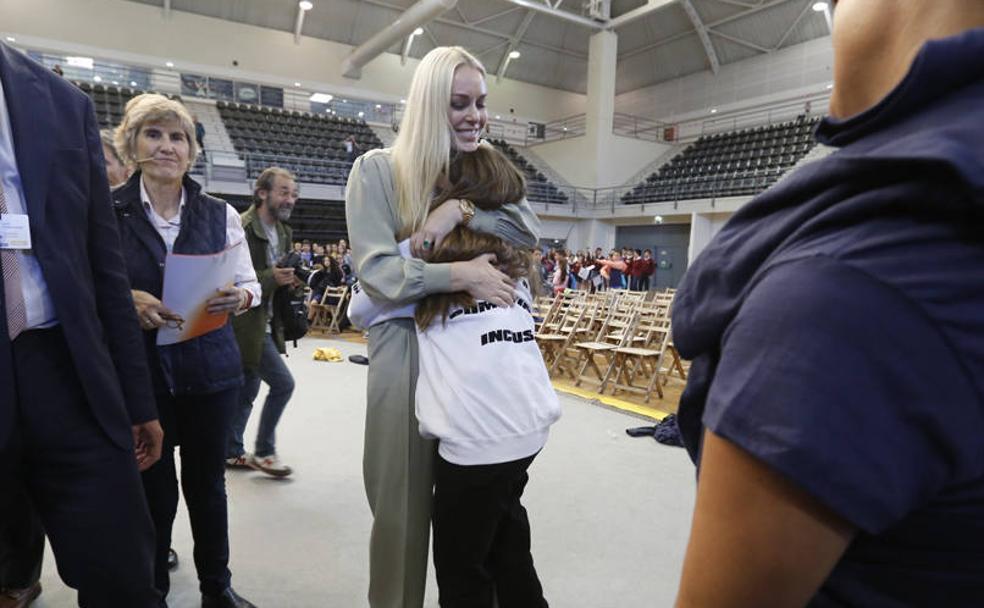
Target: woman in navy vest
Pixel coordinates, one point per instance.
(160, 211)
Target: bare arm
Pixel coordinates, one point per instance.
(757, 540)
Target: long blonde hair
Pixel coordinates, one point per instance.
(422, 150)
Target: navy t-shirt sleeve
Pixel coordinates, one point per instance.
(844, 387)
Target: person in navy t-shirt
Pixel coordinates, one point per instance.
(835, 404)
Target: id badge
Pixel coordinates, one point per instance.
(15, 231)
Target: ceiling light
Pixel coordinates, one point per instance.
(830, 86)
(80, 62)
(379, 107)
(169, 64)
(133, 83)
(11, 39)
(820, 7)
(321, 97)
(714, 110)
(361, 114)
(116, 83)
(345, 101)
(297, 84)
(418, 31)
(305, 5)
(403, 101)
(497, 117)
(514, 55)
(97, 78)
(565, 128)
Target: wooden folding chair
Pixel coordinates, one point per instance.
(559, 310)
(578, 319)
(612, 334)
(568, 357)
(641, 362)
(542, 308)
(328, 313)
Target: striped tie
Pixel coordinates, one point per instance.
(14, 299)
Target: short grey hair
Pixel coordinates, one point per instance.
(153, 107)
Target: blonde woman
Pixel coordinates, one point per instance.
(387, 199)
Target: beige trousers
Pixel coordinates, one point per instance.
(398, 469)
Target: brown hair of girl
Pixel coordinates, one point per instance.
(489, 180)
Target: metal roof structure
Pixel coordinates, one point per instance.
(671, 38)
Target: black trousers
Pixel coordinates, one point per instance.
(644, 283)
(85, 489)
(200, 425)
(482, 536)
(21, 542)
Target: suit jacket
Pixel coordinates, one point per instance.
(75, 240)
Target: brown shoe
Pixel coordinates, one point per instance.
(20, 598)
(239, 462)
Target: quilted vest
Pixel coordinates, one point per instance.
(202, 365)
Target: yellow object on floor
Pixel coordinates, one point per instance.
(328, 354)
(648, 411)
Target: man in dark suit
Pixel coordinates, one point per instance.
(76, 405)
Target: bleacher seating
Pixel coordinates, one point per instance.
(110, 101)
(538, 188)
(735, 163)
(310, 145)
(319, 221)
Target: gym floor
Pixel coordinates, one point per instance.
(610, 513)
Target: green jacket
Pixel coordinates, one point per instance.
(250, 326)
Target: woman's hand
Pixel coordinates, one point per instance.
(229, 299)
(151, 313)
(482, 280)
(440, 222)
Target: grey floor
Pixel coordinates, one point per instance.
(609, 513)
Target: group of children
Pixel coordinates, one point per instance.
(626, 269)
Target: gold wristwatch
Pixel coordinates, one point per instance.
(467, 210)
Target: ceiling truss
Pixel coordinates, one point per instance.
(509, 42)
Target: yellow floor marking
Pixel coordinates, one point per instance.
(619, 404)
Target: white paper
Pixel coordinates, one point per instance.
(189, 282)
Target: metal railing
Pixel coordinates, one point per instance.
(809, 105)
(639, 127)
(563, 128)
(202, 86)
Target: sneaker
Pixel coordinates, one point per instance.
(239, 462)
(270, 465)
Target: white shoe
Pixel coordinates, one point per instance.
(270, 465)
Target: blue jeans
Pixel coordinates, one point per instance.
(274, 372)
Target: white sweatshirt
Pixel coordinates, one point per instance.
(482, 390)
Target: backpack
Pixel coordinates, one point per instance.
(290, 309)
